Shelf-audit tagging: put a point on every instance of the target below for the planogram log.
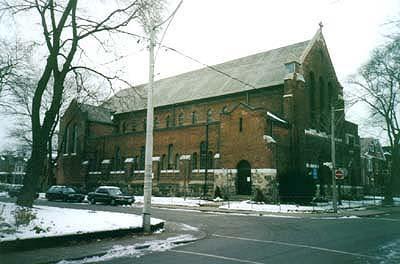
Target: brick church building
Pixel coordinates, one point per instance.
(257, 122)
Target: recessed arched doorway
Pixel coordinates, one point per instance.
(243, 178)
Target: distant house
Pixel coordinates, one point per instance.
(12, 169)
(373, 162)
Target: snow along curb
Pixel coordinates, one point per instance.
(42, 242)
(140, 248)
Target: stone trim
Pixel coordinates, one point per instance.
(117, 172)
(185, 157)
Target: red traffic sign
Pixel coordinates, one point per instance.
(339, 174)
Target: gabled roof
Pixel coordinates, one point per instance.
(97, 113)
(377, 151)
(260, 70)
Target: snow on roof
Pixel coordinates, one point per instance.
(276, 118)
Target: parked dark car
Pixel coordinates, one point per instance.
(64, 193)
(15, 190)
(111, 195)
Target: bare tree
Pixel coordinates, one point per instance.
(379, 83)
(65, 28)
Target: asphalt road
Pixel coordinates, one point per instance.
(263, 239)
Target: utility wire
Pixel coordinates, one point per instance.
(213, 68)
(169, 19)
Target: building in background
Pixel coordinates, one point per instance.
(374, 166)
(258, 122)
(12, 168)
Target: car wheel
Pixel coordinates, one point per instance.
(92, 201)
(112, 202)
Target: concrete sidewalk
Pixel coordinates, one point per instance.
(78, 249)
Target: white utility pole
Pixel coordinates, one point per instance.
(148, 172)
(333, 156)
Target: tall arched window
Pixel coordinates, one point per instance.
(210, 160)
(163, 162)
(194, 117)
(330, 95)
(176, 161)
(194, 160)
(203, 155)
(209, 116)
(312, 98)
(170, 156)
(66, 140)
(322, 95)
(75, 139)
(117, 159)
(142, 157)
(167, 121)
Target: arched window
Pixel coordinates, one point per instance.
(203, 155)
(194, 160)
(210, 160)
(240, 124)
(117, 159)
(66, 140)
(312, 98)
(142, 157)
(209, 116)
(322, 95)
(181, 119)
(194, 117)
(123, 127)
(167, 121)
(170, 156)
(163, 162)
(176, 161)
(224, 109)
(136, 163)
(75, 139)
(331, 96)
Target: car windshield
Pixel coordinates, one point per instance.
(69, 190)
(115, 191)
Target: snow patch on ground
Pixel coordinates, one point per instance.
(136, 250)
(391, 252)
(192, 202)
(4, 194)
(186, 227)
(53, 221)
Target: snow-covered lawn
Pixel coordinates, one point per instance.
(180, 201)
(53, 221)
(252, 206)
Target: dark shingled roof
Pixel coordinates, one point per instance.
(259, 70)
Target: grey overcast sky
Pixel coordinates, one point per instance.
(214, 31)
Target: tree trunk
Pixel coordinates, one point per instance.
(34, 170)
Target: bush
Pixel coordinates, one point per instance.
(259, 197)
(23, 216)
(217, 192)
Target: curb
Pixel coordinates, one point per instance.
(361, 213)
(48, 242)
